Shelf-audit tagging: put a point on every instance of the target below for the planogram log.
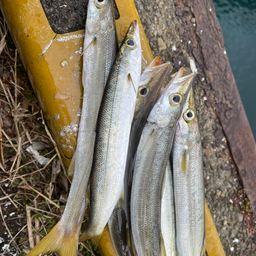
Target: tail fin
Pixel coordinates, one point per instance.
(56, 241)
(95, 240)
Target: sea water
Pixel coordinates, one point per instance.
(238, 24)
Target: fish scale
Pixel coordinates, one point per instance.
(151, 80)
(98, 57)
(168, 214)
(150, 165)
(113, 131)
(189, 185)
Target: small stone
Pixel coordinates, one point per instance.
(179, 12)
(161, 44)
(219, 134)
(176, 62)
(218, 192)
(240, 217)
(235, 240)
(233, 233)
(225, 222)
(159, 33)
(193, 20)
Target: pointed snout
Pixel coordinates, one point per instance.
(185, 83)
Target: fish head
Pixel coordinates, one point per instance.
(172, 98)
(150, 85)
(131, 42)
(130, 53)
(100, 17)
(187, 126)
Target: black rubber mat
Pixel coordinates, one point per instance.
(67, 16)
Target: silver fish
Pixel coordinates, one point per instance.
(113, 133)
(151, 82)
(98, 57)
(150, 164)
(168, 215)
(189, 183)
(168, 246)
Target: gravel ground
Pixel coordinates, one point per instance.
(159, 19)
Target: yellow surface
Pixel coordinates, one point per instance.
(106, 247)
(54, 64)
(213, 244)
(128, 13)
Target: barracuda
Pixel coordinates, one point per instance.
(151, 160)
(113, 131)
(151, 82)
(168, 245)
(98, 57)
(189, 183)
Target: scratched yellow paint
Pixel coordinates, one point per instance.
(54, 64)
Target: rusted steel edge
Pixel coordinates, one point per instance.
(230, 111)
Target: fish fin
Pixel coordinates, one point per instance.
(84, 237)
(87, 196)
(203, 251)
(56, 241)
(96, 240)
(130, 79)
(183, 161)
(163, 253)
(92, 42)
(71, 167)
(120, 201)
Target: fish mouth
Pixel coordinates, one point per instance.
(179, 74)
(156, 62)
(185, 83)
(134, 28)
(160, 68)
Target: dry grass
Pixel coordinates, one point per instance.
(32, 196)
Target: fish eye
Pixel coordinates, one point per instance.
(143, 91)
(175, 99)
(100, 3)
(131, 43)
(189, 115)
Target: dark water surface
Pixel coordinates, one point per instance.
(238, 23)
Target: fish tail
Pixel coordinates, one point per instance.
(56, 241)
(162, 247)
(203, 251)
(84, 237)
(95, 240)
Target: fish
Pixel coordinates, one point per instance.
(150, 85)
(188, 179)
(99, 53)
(168, 242)
(168, 234)
(112, 136)
(150, 165)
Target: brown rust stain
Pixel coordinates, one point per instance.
(211, 54)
